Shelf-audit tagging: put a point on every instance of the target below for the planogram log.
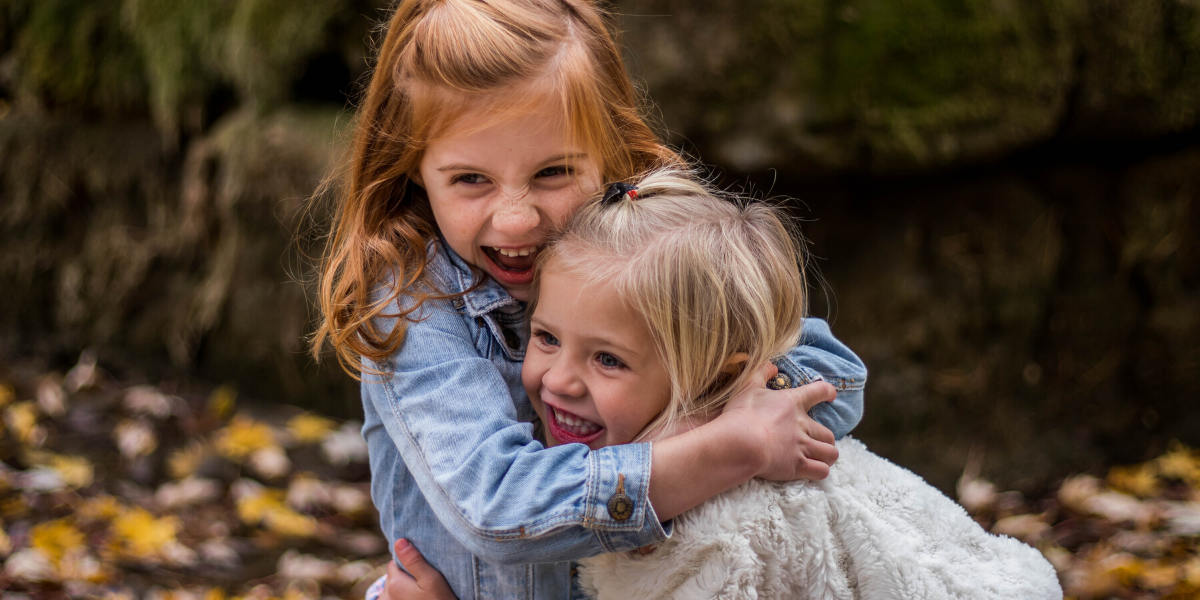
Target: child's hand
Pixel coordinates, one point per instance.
(424, 583)
(794, 446)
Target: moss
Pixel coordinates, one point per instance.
(909, 73)
(73, 54)
(268, 42)
(182, 44)
(1141, 66)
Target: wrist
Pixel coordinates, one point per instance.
(737, 442)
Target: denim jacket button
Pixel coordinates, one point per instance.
(780, 381)
(620, 506)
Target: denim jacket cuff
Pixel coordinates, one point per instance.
(620, 526)
(801, 375)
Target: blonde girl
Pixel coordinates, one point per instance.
(644, 313)
(485, 125)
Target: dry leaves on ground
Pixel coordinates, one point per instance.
(112, 491)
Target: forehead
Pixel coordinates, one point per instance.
(591, 305)
(534, 110)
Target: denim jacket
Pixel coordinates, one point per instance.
(455, 466)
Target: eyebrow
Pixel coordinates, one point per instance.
(552, 159)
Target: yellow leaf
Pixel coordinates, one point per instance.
(214, 594)
(182, 463)
(55, 538)
(5, 542)
(242, 437)
(142, 535)
(253, 507)
(267, 508)
(76, 471)
(308, 428)
(1159, 576)
(22, 421)
(100, 508)
(1139, 480)
(222, 401)
(6, 394)
(286, 521)
(1180, 462)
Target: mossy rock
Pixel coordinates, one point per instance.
(874, 85)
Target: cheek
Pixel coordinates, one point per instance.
(567, 202)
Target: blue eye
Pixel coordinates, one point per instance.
(546, 338)
(609, 361)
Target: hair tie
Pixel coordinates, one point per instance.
(618, 190)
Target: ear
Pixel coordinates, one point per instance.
(735, 363)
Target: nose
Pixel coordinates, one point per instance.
(562, 379)
(517, 214)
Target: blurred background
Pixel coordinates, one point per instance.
(1001, 198)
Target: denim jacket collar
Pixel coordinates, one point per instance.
(489, 296)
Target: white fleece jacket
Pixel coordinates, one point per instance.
(871, 530)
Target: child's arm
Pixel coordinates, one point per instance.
(820, 357)
(447, 414)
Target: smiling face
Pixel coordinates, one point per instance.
(590, 370)
(499, 187)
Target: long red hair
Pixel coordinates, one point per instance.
(437, 58)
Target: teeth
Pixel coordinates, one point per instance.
(575, 425)
(515, 252)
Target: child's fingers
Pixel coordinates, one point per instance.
(822, 452)
(767, 370)
(820, 432)
(813, 470)
(814, 394)
(400, 585)
(424, 581)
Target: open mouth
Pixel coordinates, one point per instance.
(568, 428)
(514, 265)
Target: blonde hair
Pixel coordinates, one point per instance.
(714, 277)
(439, 58)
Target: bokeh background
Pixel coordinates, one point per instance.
(1000, 198)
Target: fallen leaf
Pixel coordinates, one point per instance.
(242, 437)
(294, 565)
(1180, 462)
(266, 507)
(84, 374)
(308, 428)
(22, 421)
(55, 538)
(100, 508)
(187, 492)
(29, 565)
(270, 462)
(306, 492)
(1139, 480)
(51, 397)
(1027, 528)
(346, 445)
(141, 535)
(222, 401)
(184, 462)
(149, 401)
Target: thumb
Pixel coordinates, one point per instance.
(413, 562)
(815, 393)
